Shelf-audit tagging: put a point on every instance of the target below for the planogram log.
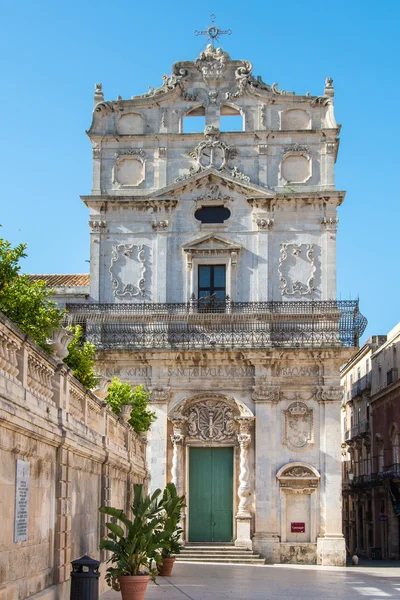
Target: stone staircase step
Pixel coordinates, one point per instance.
(219, 554)
(227, 560)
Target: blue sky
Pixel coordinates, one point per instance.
(54, 52)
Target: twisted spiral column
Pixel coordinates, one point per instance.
(244, 490)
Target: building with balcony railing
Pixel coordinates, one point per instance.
(213, 283)
(370, 428)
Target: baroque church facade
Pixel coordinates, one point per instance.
(213, 284)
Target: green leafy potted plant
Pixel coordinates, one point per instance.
(171, 532)
(134, 545)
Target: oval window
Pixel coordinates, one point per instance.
(212, 214)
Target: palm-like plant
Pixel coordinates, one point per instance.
(137, 544)
(171, 532)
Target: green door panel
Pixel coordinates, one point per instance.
(210, 494)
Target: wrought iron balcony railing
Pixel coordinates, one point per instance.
(357, 431)
(221, 324)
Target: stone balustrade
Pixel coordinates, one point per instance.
(80, 455)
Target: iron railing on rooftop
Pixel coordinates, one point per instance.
(221, 324)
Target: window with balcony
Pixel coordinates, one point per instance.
(212, 286)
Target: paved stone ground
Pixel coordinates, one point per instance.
(372, 580)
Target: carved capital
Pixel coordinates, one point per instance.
(265, 393)
(244, 439)
(160, 395)
(326, 394)
(265, 224)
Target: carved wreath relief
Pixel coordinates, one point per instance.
(211, 420)
(128, 270)
(296, 269)
(297, 426)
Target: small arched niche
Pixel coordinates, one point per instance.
(231, 119)
(194, 121)
(294, 119)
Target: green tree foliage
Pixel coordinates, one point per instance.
(81, 358)
(120, 393)
(23, 301)
(9, 259)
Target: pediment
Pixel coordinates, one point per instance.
(211, 243)
(202, 181)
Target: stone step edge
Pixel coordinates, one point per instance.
(251, 561)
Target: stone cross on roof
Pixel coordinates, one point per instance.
(213, 32)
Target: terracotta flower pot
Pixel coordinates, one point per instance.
(133, 587)
(165, 568)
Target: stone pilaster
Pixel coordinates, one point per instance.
(331, 548)
(266, 537)
(62, 547)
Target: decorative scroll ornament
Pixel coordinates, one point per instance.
(212, 154)
(297, 426)
(211, 420)
(247, 84)
(170, 82)
(287, 268)
(123, 255)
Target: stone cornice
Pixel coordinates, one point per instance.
(262, 134)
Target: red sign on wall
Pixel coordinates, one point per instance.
(298, 527)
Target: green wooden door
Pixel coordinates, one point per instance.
(210, 494)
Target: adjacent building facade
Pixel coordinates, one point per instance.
(213, 283)
(371, 440)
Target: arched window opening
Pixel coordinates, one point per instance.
(231, 119)
(194, 121)
(212, 214)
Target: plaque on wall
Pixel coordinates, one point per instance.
(21, 500)
(298, 527)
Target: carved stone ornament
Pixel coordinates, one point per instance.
(97, 226)
(265, 224)
(211, 420)
(333, 394)
(297, 472)
(130, 152)
(297, 426)
(170, 82)
(330, 224)
(247, 83)
(128, 270)
(129, 167)
(295, 148)
(296, 263)
(160, 225)
(213, 192)
(160, 395)
(265, 393)
(212, 154)
(212, 64)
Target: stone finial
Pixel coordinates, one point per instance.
(329, 89)
(98, 93)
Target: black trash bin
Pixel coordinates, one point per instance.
(376, 553)
(85, 579)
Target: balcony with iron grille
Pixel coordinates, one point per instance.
(211, 323)
(358, 431)
(361, 385)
